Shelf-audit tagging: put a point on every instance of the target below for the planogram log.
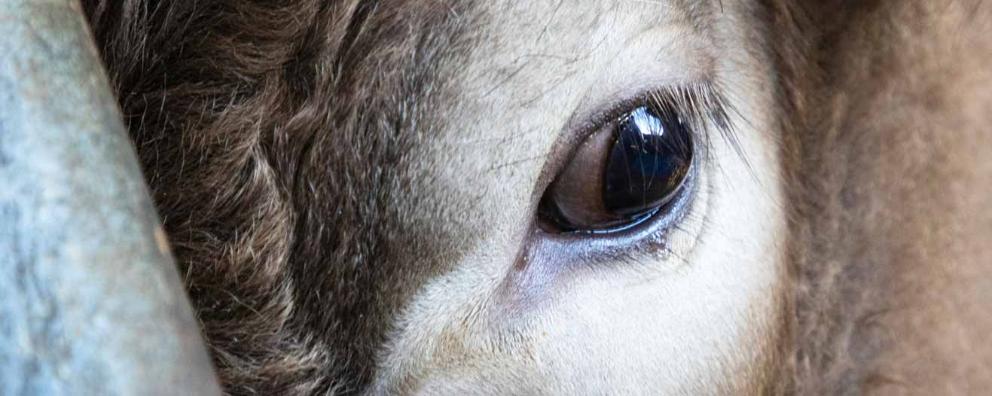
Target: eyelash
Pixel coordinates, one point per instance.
(701, 106)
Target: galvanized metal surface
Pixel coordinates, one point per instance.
(90, 301)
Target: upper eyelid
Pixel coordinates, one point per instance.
(701, 104)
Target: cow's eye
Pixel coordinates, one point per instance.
(621, 175)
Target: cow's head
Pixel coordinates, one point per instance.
(557, 198)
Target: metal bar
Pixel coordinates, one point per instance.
(90, 300)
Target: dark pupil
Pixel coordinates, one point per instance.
(649, 160)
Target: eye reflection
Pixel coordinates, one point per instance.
(622, 175)
(647, 164)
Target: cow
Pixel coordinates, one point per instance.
(589, 197)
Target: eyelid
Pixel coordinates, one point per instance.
(695, 106)
(700, 104)
(647, 236)
(705, 112)
(699, 101)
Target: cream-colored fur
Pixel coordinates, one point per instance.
(700, 318)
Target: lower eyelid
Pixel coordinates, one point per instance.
(693, 205)
(550, 261)
(649, 238)
(669, 236)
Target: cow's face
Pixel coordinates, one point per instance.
(506, 197)
(552, 292)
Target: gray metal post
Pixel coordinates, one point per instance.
(90, 301)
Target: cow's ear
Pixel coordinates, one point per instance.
(90, 299)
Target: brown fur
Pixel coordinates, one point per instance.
(249, 118)
(267, 130)
(880, 243)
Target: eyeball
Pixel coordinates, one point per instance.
(622, 174)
